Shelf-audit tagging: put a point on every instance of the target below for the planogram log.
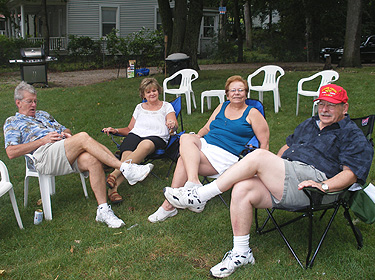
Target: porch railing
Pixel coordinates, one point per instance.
(55, 43)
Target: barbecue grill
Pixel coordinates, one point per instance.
(33, 65)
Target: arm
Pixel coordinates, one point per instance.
(206, 128)
(14, 151)
(122, 131)
(337, 183)
(282, 150)
(260, 127)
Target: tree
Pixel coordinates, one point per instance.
(351, 56)
(237, 26)
(248, 25)
(45, 27)
(183, 34)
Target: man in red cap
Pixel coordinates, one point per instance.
(327, 151)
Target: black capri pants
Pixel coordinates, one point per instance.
(131, 142)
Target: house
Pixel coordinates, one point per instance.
(93, 18)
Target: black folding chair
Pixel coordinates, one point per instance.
(171, 151)
(315, 196)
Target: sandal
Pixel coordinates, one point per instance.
(115, 198)
(111, 181)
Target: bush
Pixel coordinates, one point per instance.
(83, 49)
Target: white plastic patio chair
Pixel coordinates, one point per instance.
(187, 77)
(272, 75)
(46, 185)
(327, 77)
(6, 186)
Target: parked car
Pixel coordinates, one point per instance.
(367, 51)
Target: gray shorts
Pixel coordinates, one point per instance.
(50, 159)
(296, 172)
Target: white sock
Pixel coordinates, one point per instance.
(241, 244)
(208, 191)
(103, 206)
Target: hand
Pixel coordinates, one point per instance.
(65, 135)
(109, 130)
(52, 137)
(310, 183)
(170, 124)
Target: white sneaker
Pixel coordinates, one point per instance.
(106, 215)
(161, 215)
(135, 173)
(185, 198)
(230, 263)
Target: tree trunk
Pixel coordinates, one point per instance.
(191, 42)
(166, 21)
(222, 19)
(179, 25)
(45, 28)
(237, 25)
(351, 56)
(248, 25)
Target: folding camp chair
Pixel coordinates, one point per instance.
(366, 124)
(249, 147)
(171, 151)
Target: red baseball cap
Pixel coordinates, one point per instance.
(333, 93)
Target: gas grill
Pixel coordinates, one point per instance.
(33, 65)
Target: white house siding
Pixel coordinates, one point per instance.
(83, 16)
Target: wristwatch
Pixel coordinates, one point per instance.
(325, 187)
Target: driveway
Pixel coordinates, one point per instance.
(79, 78)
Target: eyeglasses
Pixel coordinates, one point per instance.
(28, 101)
(239, 90)
(330, 106)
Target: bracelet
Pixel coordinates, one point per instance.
(116, 130)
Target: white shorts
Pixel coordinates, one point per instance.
(219, 158)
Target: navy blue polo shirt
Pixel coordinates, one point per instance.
(329, 149)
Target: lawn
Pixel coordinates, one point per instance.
(74, 246)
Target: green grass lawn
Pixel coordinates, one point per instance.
(74, 246)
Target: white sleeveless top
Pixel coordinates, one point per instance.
(152, 123)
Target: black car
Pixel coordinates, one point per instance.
(367, 51)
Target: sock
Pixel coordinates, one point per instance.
(241, 244)
(103, 206)
(208, 191)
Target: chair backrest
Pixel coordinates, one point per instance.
(270, 75)
(366, 124)
(4, 178)
(187, 77)
(327, 77)
(254, 142)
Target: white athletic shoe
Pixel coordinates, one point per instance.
(230, 263)
(107, 216)
(185, 198)
(161, 215)
(135, 173)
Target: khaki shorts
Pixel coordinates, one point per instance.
(50, 159)
(296, 172)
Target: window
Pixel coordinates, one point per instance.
(108, 20)
(208, 26)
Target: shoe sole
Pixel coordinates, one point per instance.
(171, 199)
(121, 225)
(151, 166)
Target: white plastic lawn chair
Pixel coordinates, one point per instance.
(46, 185)
(6, 186)
(187, 77)
(327, 77)
(272, 75)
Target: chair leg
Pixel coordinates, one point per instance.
(202, 104)
(193, 97)
(45, 187)
(208, 102)
(261, 96)
(26, 191)
(188, 103)
(83, 184)
(356, 231)
(276, 101)
(297, 104)
(15, 207)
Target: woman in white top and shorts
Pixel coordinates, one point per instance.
(148, 130)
